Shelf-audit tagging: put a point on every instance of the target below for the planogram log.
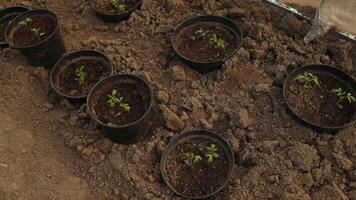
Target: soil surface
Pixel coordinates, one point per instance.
(3, 24)
(134, 95)
(106, 6)
(197, 43)
(23, 36)
(67, 80)
(276, 158)
(200, 178)
(318, 104)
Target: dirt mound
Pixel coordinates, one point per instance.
(276, 157)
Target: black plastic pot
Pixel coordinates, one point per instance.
(128, 133)
(208, 66)
(46, 52)
(75, 56)
(8, 14)
(198, 134)
(115, 17)
(342, 76)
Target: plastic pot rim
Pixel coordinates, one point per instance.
(57, 66)
(201, 18)
(310, 67)
(34, 11)
(207, 133)
(26, 9)
(121, 75)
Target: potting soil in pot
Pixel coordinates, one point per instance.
(196, 177)
(205, 41)
(34, 29)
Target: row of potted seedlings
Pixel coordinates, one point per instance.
(196, 164)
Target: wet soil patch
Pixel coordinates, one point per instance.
(200, 178)
(205, 41)
(318, 104)
(107, 7)
(22, 36)
(136, 96)
(67, 80)
(3, 24)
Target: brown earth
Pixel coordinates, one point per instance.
(49, 150)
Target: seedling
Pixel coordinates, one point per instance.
(308, 79)
(25, 22)
(37, 32)
(219, 43)
(194, 158)
(202, 32)
(118, 5)
(211, 153)
(114, 99)
(343, 95)
(80, 75)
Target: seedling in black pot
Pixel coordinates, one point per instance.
(115, 10)
(37, 36)
(321, 97)
(121, 104)
(205, 42)
(75, 74)
(6, 15)
(197, 164)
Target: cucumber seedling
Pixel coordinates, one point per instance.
(114, 99)
(202, 32)
(211, 153)
(343, 95)
(80, 75)
(218, 42)
(308, 80)
(25, 22)
(118, 5)
(193, 157)
(37, 32)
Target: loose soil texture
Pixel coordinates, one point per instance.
(3, 24)
(66, 81)
(197, 46)
(318, 104)
(200, 178)
(105, 6)
(276, 158)
(136, 96)
(22, 36)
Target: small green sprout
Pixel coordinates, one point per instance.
(343, 95)
(80, 75)
(25, 22)
(211, 153)
(194, 158)
(118, 5)
(219, 43)
(202, 32)
(115, 99)
(37, 32)
(308, 79)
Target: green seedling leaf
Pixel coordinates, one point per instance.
(114, 99)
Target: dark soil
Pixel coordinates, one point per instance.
(277, 158)
(198, 48)
(105, 6)
(23, 36)
(135, 95)
(65, 81)
(196, 179)
(318, 105)
(3, 24)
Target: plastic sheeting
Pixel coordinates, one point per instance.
(333, 13)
